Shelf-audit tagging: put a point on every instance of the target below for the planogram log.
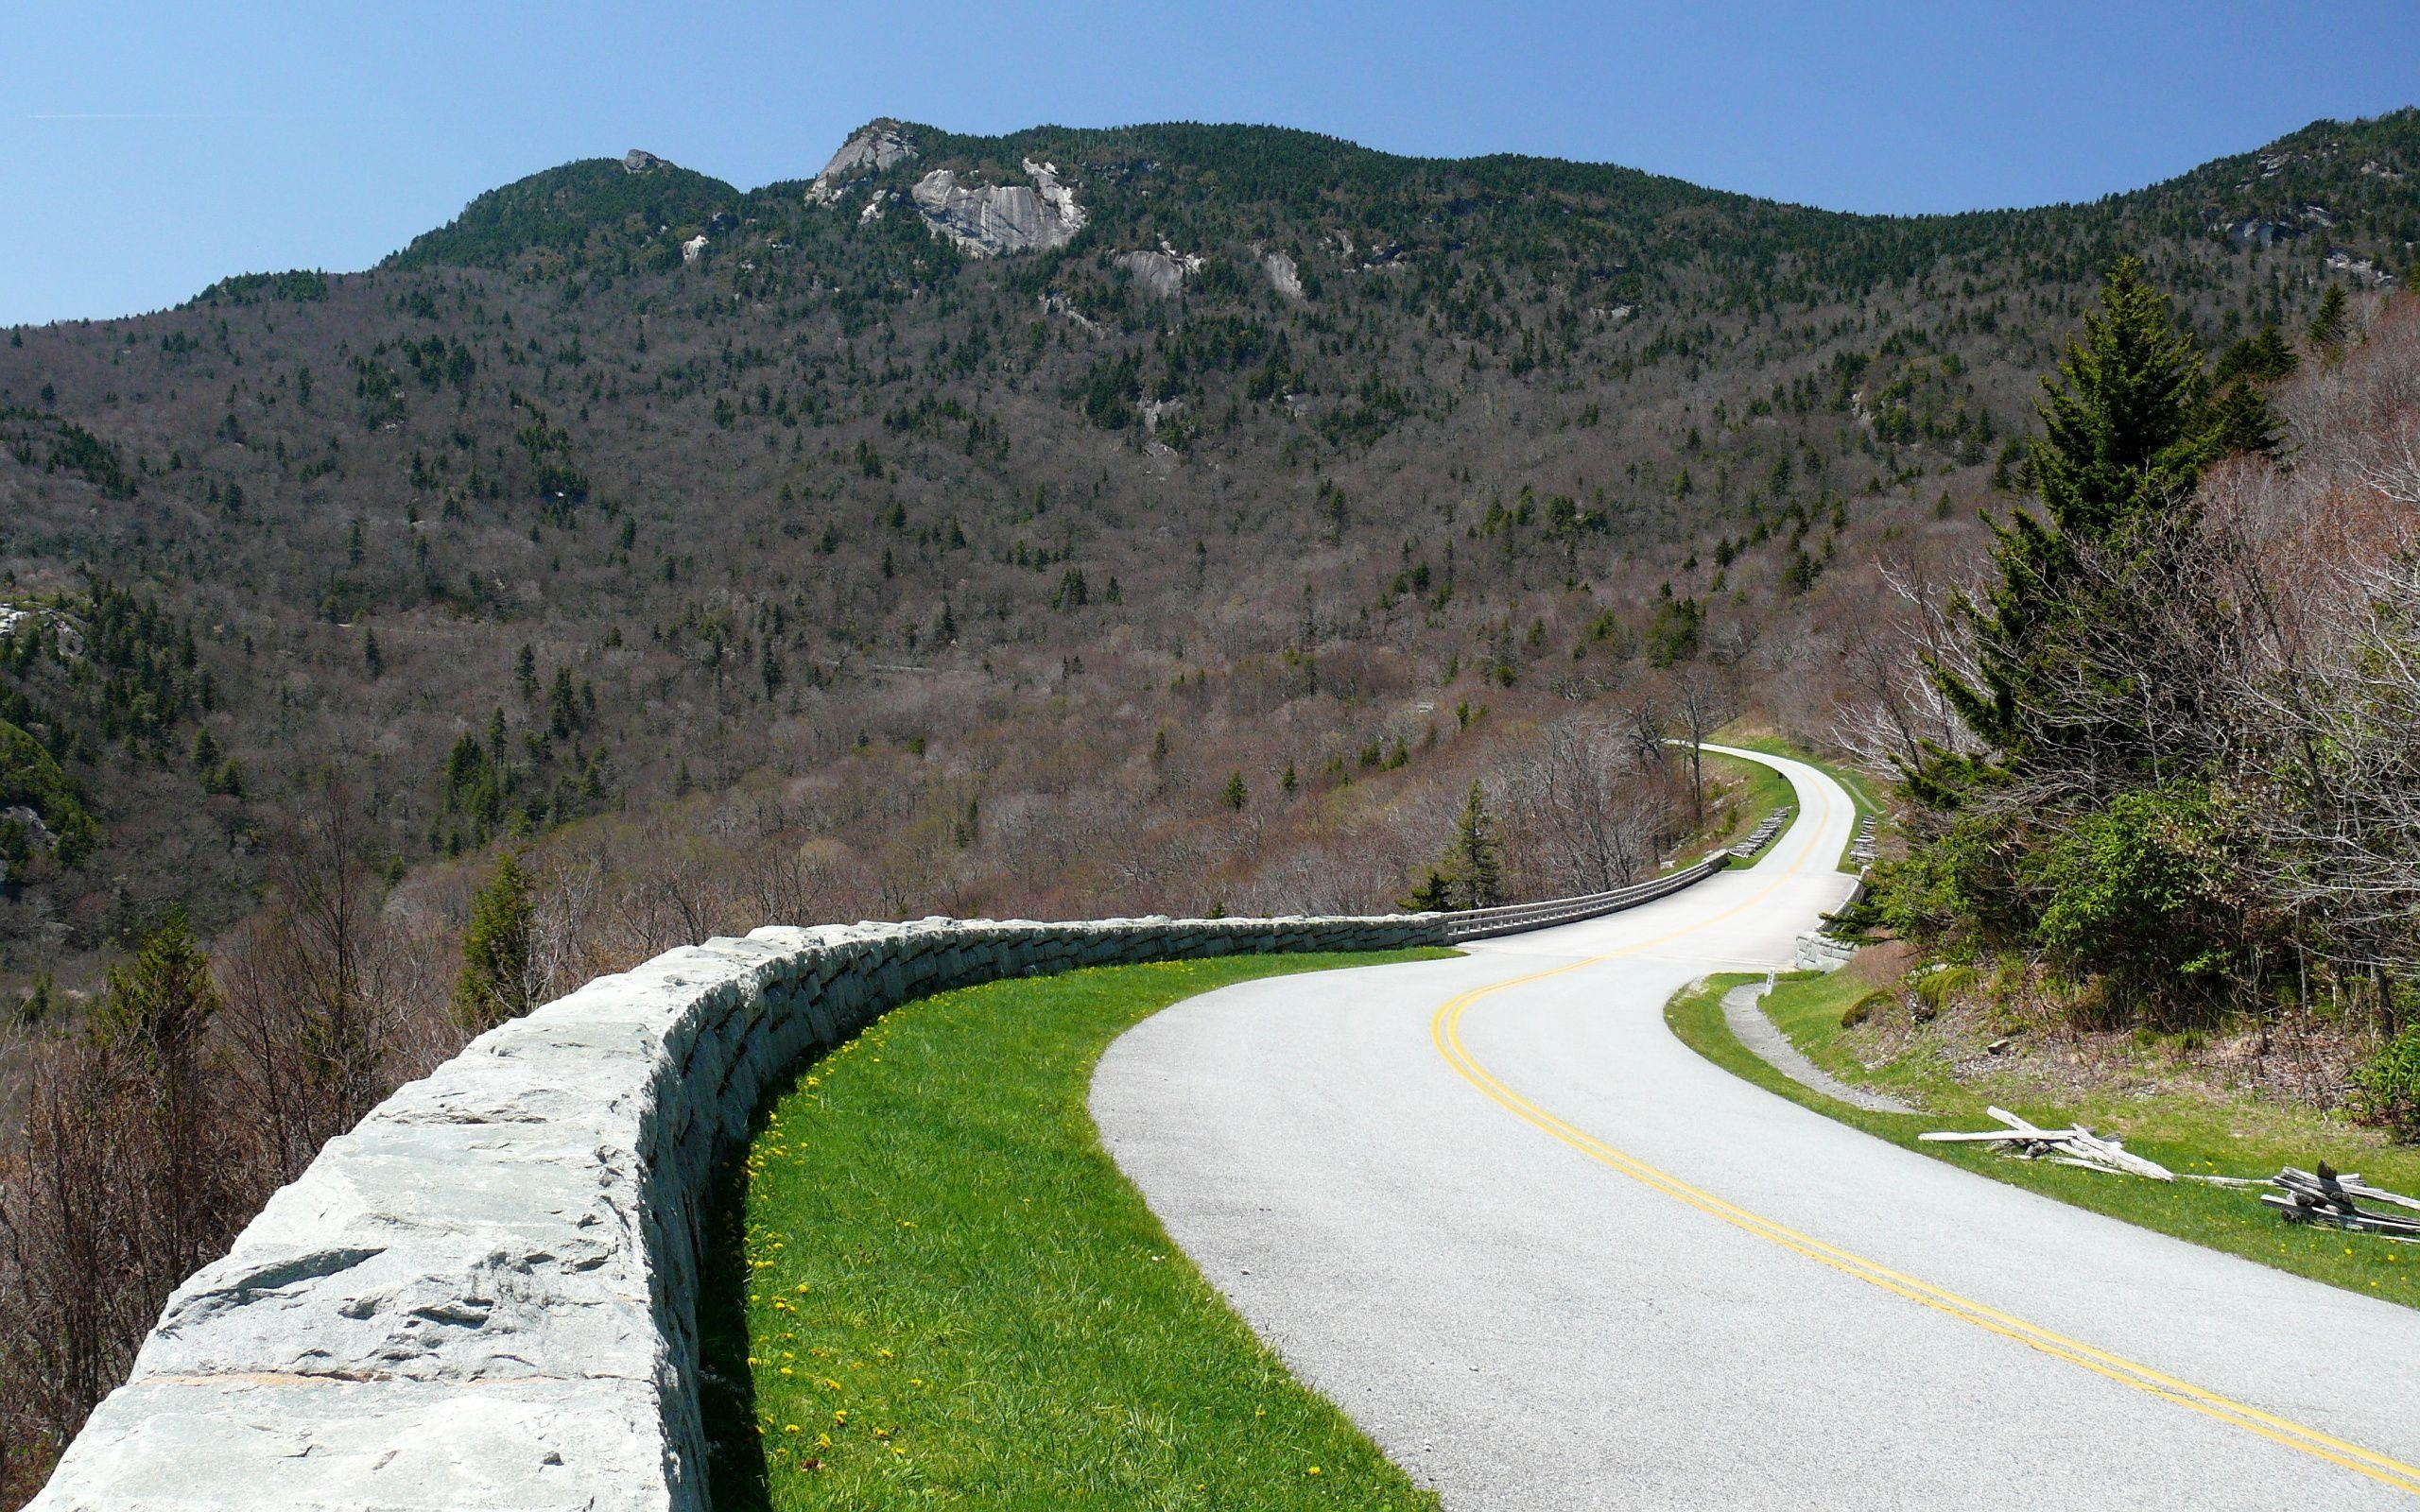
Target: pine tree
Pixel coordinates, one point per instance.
(1432, 894)
(37, 1005)
(155, 1015)
(1476, 860)
(2330, 328)
(160, 1007)
(2120, 420)
(1234, 795)
(2127, 430)
(2243, 422)
(2265, 357)
(496, 949)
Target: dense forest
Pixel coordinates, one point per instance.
(636, 558)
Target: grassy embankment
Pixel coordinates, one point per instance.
(932, 1287)
(1738, 795)
(2184, 1131)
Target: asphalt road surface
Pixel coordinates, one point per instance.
(1549, 1257)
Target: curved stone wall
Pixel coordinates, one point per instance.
(482, 1297)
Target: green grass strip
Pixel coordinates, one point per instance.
(1760, 791)
(2179, 1130)
(931, 1286)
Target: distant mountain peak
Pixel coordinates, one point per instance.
(871, 149)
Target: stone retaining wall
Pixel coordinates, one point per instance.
(483, 1297)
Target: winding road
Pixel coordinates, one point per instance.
(1549, 1257)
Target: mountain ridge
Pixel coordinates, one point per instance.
(626, 484)
(2394, 131)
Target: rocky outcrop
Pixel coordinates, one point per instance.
(2358, 269)
(693, 249)
(638, 161)
(484, 1298)
(876, 147)
(1163, 272)
(986, 220)
(1282, 275)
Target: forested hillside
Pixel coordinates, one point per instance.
(1174, 518)
(985, 574)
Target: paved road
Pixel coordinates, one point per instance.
(1550, 1259)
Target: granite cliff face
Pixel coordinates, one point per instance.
(1163, 272)
(983, 219)
(986, 220)
(876, 147)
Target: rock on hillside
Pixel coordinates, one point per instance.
(875, 147)
(988, 219)
(1162, 273)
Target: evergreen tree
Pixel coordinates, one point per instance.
(1476, 860)
(159, 1007)
(1234, 795)
(2127, 430)
(2087, 803)
(1432, 894)
(2330, 328)
(562, 703)
(2243, 422)
(37, 1005)
(155, 1015)
(2121, 422)
(2265, 357)
(496, 948)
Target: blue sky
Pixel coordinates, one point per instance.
(146, 149)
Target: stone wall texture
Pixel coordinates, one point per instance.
(483, 1297)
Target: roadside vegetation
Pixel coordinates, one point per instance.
(1739, 796)
(932, 1284)
(2153, 1102)
(2153, 759)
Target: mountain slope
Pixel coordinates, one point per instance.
(982, 506)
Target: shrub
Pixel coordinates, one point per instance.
(1863, 1009)
(2387, 1090)
(2137, 895)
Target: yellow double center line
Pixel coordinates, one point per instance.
(1445, 1030)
